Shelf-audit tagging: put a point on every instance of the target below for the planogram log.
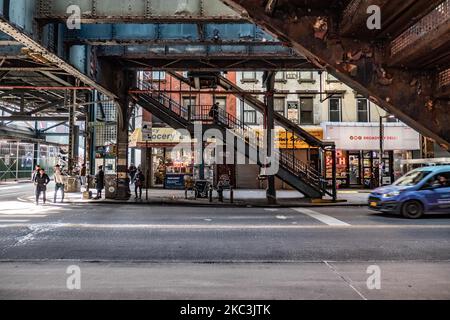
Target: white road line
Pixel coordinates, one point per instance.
(281, 217)
(271, 209)
(234, 227)
(6, 215)
(322, 217)
(13, 221)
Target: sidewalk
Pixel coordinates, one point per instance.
(242, 198)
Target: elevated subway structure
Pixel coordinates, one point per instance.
(99, 60)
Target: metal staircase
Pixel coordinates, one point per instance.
(293, 171)
(258, 105)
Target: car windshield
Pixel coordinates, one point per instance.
(411, 178)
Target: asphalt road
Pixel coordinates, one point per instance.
(317, 253)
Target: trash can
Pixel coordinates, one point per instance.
(72, 185)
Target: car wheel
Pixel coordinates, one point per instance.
(412, 210)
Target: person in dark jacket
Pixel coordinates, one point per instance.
(41, 180)
(99, 182)
(35, 172)
(214, 112)
(139, 179)
(132, 172)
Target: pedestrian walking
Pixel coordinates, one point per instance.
(99, 182)
(214, 112)
(83, 175)
(139, 179)
(35, 172)
(132, 171)
(41, 180)
(59, 183)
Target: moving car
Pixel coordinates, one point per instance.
(420, 191)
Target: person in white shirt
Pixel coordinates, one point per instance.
(59, 183)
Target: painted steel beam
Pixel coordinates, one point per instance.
(97, 11)
(159, 32)
(224, 63)
(188, 50)
(361, 64)
(49, 57)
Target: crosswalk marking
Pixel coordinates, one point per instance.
(322, 217)
(13, 220)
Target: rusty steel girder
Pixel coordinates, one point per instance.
(409, 94)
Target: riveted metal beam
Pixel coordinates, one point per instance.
(49, 57)
(139, 11)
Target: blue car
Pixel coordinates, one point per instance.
(420, 191)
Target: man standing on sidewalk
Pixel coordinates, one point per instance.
(99, 182)
(59, 183)
(41, 180)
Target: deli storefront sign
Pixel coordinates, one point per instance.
(397, 136)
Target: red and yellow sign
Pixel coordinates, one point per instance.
(287, 140)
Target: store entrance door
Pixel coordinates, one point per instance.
(354, 169)
(159, 167)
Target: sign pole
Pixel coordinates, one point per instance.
(380, 169)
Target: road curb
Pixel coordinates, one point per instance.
(224, 205)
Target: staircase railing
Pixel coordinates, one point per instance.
(252, 137)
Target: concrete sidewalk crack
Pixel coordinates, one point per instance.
(347, 281)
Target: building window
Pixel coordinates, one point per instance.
(292, 107)
(222, 102)
(306, 110)
(248, 76)
(335, 110)
(280, 77)
(279, 104)
(291, 75)
(250, 116)
(306, 76)
(189, 101)
(158, 75)
(363, 110)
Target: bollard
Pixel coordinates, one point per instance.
(220, 192)
(210, 193)
(231, 195)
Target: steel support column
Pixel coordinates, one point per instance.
(70, 157)
(269, 78)
(124, 81)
